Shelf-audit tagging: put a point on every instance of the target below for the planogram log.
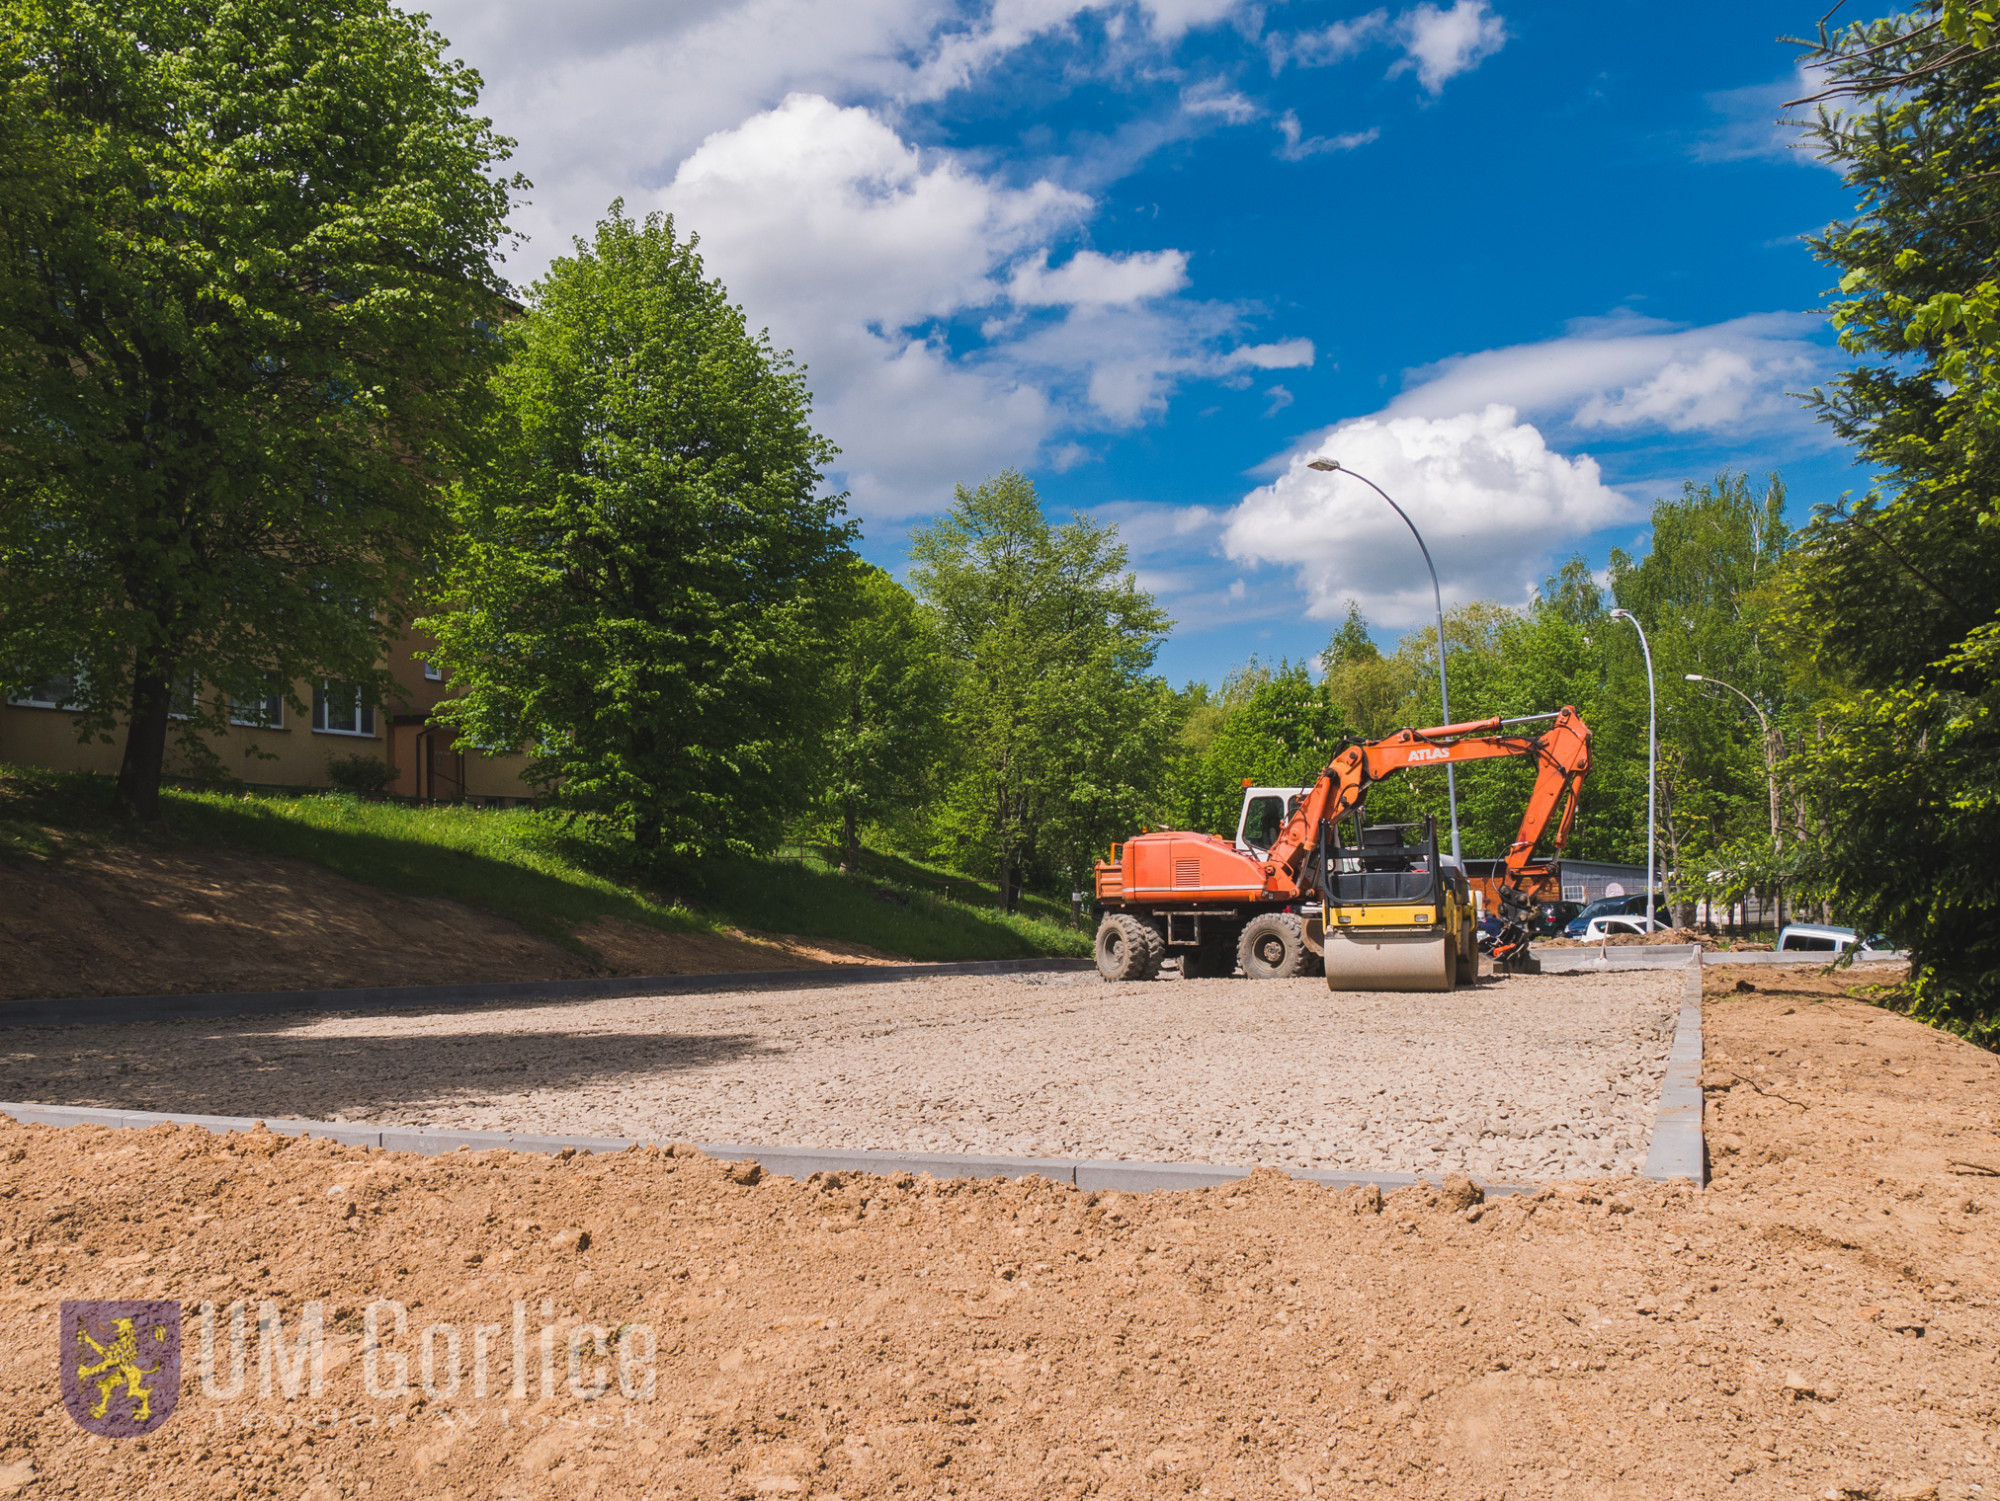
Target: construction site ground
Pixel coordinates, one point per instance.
(1820, 1322)
(1515, 1080)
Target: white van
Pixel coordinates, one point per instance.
(1812, 938)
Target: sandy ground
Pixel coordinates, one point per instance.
(138, 922)
(1823, 1322)
(1513, 1080)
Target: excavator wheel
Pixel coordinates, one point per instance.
(1127, 949)
(1156, 950)
(1273, 947)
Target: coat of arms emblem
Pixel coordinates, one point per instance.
(121, 1364)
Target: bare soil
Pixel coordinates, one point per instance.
(1822, 1322)
(135, 922)
(1513, 1080)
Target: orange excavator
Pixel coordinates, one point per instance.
(1375, 911)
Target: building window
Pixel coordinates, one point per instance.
(185, 697)
(266, 713)
(339, 709)
(433, 673)
(57, 692)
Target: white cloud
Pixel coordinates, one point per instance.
(858, 250)
(1328, 45)
(1484, 488)
(1441, 44)
(1298, 146)
(1103, 280)
(1755, 125)
(1627, 373)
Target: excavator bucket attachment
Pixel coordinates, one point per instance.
(1389, 961)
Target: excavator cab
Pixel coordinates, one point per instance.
(1266, 811)
(1398, 915)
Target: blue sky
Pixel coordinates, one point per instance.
(1527, 265)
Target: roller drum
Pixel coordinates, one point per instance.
(1389, 961)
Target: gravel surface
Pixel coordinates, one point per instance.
(1517, 1079)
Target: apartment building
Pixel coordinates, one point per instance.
(269, 744)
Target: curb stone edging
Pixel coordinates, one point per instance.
(1678, 1148)
(791, 1162)
(115, 1010)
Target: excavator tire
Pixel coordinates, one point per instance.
(1123, 952)
(1273, 947)
(1156, 950)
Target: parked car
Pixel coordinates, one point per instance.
(1817, 938)
(1556, 916)
(1613, 906)
(1619, 926)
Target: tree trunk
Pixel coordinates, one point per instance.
(850, 844)
(145, 756)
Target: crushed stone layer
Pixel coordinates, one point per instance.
(1512, 1080)
(1822, 1322)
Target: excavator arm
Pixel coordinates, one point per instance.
(1562, 758)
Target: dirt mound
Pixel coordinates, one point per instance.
(1822, 1322)
(1699, 937)
(134, 922)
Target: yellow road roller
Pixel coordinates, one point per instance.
(1397, 914)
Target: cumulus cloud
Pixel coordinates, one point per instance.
(1101, 280)
(1441, 44)
(860, 251)
(1628, 373)
(1484, 488)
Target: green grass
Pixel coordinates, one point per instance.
(522, 865)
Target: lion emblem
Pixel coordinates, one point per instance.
(109, 1350)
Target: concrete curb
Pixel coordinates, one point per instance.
(1720, 956)
(1633, 956)
(116, 1010)
(1678, 1148)
(792, 1162)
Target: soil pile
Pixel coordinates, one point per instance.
(136, 922)
(1822, 1322)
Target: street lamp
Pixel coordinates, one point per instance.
(1330, 466)
(1770, 761)
(1652, 747)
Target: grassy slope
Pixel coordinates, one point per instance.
(524, 867)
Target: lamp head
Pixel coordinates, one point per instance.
(1621, 614)
(1323, 465)
(1695, 677)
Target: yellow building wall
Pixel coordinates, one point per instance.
(293, 754)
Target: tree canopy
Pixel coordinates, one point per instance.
(648, 568)
(246, 319)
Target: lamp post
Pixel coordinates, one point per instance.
(1652, 748)
(1770, 766)
(1330, 466)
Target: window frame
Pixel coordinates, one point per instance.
(272, 707)
(364, 712)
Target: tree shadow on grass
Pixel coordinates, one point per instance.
(258, 1068)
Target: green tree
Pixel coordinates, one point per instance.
(1891, 602)
(1279, 732)
(1370, 688)
(649, 572)
(245, 325)
(1064, 734)
(890, 688)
